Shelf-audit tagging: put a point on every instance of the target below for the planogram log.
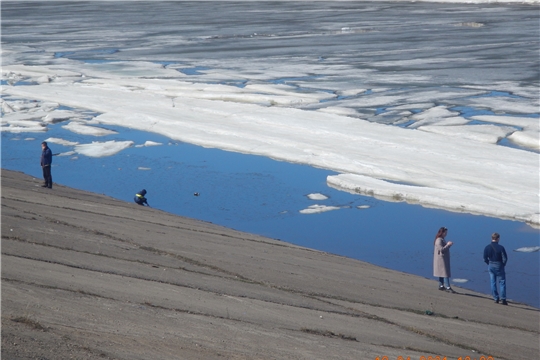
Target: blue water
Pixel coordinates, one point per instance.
(264, 196)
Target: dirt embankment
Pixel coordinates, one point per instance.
(85, 276)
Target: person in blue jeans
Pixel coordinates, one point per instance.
(495, 257)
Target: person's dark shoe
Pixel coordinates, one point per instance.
(504, 302)
(441, 287)
(44, 185)
(497, 301)
(450, 290)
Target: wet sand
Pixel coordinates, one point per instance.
(86, 276)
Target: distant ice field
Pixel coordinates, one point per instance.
(435, 105)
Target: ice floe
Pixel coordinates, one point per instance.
(81, 128)
(317, 196)
(101, 149)
(288, 110)
(61, 141)
(315, 209)
(59, 116)
(68, 153)
(528, 134)
(149, 143)
(528, 249)
(485, 133)
(18, 126)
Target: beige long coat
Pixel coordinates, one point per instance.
(441, 258)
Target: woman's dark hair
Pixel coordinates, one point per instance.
(440, 233)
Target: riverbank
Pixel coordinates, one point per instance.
(86, 276)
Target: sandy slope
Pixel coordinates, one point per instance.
(85, 276)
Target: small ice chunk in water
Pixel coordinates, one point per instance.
(317, 196)
(528, 249)
(61, 141)
(67, 153)
(149, 143)
(314, 209)
(101, 149)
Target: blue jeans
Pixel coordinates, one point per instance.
(445, 281)
(496, 272)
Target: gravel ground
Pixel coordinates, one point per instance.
(85, 276)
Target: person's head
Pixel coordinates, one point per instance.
(441, 233)
(44, 145)
(143, 192)
(495, 237)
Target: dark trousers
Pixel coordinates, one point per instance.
(47, 177)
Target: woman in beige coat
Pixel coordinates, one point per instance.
(441, 260)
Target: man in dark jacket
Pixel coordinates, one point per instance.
(46, 161)
(495, 256)
(140, 199)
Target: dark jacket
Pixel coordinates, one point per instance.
(46, 157)
(495, 253)
(140, 199)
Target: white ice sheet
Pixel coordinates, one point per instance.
(448, 170)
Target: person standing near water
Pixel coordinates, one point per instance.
(495, 257)
(441, 260)
(46, 162)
